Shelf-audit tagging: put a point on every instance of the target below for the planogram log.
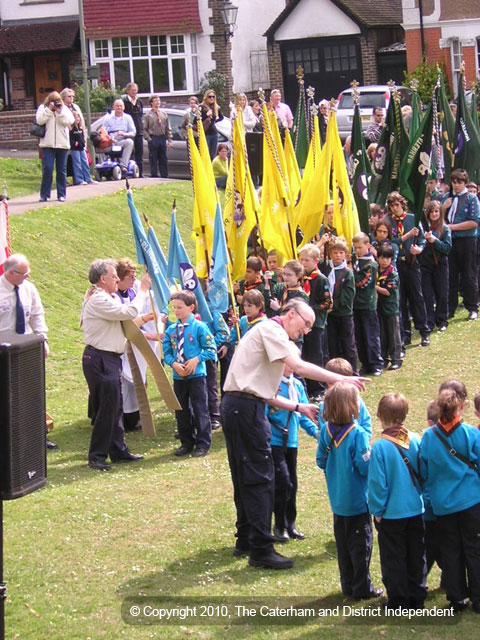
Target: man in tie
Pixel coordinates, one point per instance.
(101, 317)
(21, 310)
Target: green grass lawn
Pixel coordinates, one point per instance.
(164, 527)
(22, 176)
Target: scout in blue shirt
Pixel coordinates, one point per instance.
(284, 443)
(253, 304)
(395, 499)
(344, 453)
(449, 466)
(187, 345)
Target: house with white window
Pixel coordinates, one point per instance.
(445, 31)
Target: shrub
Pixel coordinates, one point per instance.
(426, 73)
(101, 96)
(216, 81)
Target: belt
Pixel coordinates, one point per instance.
(247, 396)
(108, 353)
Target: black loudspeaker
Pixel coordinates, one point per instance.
(23, 452)
(254, 144)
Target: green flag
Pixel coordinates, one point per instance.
(474, 109)
(361, 172)
(391, 148)
(299, 129)
(467, 140)
(415, 166)
(447, 126)
(416, 114)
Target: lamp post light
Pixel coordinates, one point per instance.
(229, 17)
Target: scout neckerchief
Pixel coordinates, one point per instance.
(180, 331)
(447, 428)
(307, 279)
(458, 201)
(253, 285)
(399, 220)
(382, 277)
(400, 438)
(250, 323)
(286, 291)
(337, 433)
(333, 284)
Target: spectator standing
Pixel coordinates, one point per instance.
(134, 108)
(158, 134)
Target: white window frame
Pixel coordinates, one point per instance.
(456, 57)
(189, 55)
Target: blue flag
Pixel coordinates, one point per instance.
(146, 256)
(180, 267)
(162, 261)
(218, 274)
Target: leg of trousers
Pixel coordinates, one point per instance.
(354, 541)
(453, 561)
(283, 486)
(138, 145)
(313, 352)
(212, 388)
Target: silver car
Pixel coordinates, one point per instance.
(178, 162)
(370, 97)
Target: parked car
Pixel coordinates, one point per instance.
(370, 97)
(178, 163)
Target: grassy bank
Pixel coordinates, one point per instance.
(22, 176)
(164, 527)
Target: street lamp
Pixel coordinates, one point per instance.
(229, 17)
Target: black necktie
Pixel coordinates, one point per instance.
(19, 314)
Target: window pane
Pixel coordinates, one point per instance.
(120, 47)
(328, 64)
(177, 44)
(335, 52)
(175, 122)
(290, 56)
(122, 73)
(351, 50)
(314, 54)
(158, 45)
(343, 51)
(336, 64)
(139, 46)
(307, 66)
(179, 75)
(315, 67)
(328, 52)
(291, 68)
(298, 55)
(101, 48)
(160, 76)
(306, 54)
(141, 76)
(104, 73)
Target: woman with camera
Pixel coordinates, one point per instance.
(55, 145)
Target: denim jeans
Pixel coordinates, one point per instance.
(81, 171)
(49, 157)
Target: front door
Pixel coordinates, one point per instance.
(48, 76)
(329, 65)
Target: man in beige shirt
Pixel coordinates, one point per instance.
(253, 378)
(101, 318)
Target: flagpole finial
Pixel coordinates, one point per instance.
(462, 67)
(261, 95)
(299, 74)
(127, 184)
(414, 84)
(310, 91)
(197, 112)
(332, 107)
(174, 205)
(355, 92)
(314, 109)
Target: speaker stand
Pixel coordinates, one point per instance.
(3, 586)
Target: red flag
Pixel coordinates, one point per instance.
(5, 246)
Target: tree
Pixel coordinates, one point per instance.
(426, 73)
(216, 81)
(101, 96)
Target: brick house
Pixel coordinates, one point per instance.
(448, 31)
(336, 41)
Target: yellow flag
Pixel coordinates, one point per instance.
(293, 172)
(241, 202)
(205, 156)
(276, 223)
(204, 207)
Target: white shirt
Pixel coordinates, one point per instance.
(101, 319)
(32, 307)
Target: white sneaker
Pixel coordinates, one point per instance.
(61, 199)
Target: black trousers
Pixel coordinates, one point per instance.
(193, 429)
(459, 536)
(435, 291)
(212, 389)
(354, 540)
(390, 338)
(224, 365)
(462, 264)
(411, 298)
(157, 150)
(312, 351)
(247, 437)
(341, 339)
(433, 551)
(402, 560)
(102, 371)
(286, 486)
(138, 151)
(367, 338)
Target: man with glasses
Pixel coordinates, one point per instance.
(21, 310)
(253, 379)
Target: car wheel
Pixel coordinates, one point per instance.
(97, 176)
(117, 173)
(136, 171)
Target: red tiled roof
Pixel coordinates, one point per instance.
(140, 17)
(45, 36)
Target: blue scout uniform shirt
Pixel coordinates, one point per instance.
(198, 342)
(391, 492)
(279, 417)
(466, 207)
(363, 422)
(244, 325)
(219, 329)
(408, 223)
(451, 485)
(345, 466)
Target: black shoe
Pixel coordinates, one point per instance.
(240, 553)
(182, 451)
(127, 457)
(476, 607)
(99, 466)
(280, 535)
(176, 435)
(394, 366)
(473, 315)
(461, 605)
(376, 593)
(297, 535)
(377, 372)
(407, 340)
(135, 427)
(51, 445)
(272, 560)
(200, 453)
(363, 372)
(215, 425)
(425, 341)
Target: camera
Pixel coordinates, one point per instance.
(57, 104)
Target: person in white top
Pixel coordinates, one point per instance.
(101, 317)
(249, 119)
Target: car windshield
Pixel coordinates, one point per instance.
(367, 100)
